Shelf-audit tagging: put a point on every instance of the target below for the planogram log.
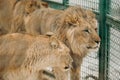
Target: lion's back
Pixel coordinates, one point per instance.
(42, 21)
(14, 47)
(12, 50)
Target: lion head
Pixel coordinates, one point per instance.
(80, 30)
(61, 51)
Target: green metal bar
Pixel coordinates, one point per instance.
(65, 2)
(108, 52)
(103, 35)
(56, 5)
(108, 6)
(108, 2)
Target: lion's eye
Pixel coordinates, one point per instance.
(85, 16)
(38, 6)
(86, 30)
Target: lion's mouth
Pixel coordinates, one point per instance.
(89, 47)
(92, 47)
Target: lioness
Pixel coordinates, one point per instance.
(75, 26)
(22, 56)
(13, 11)
(23, 8)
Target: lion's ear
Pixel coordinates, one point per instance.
(54, 43)
(32, 2)
(44, 4)
(71, 22)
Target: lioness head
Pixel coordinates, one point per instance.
(81, 33)
(61, 54)
(32, 5)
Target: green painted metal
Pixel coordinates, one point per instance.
(108, 4)
(57, 5)
(108, 51)
(103, 35)
(65, 2)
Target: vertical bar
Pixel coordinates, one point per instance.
(108, 6)
(103, 47)
(108, 52)
(65, 2)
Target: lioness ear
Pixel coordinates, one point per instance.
(44, 4)
(33, 2)
(54, 43)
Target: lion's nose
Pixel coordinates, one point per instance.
(97, 42)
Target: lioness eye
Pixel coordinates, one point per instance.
(30, 5)
(96, 29)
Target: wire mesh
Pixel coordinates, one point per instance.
(114, 63)
(89, 4)
(114, 9)
(89, 67)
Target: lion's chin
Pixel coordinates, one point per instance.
(93, 49)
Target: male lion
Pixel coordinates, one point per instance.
(13, 11)
(73, 26)
(22, 56)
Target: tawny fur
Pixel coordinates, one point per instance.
(22, 56)
(13, 11)
(22, 9)
(75, 26)
(6, 11)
